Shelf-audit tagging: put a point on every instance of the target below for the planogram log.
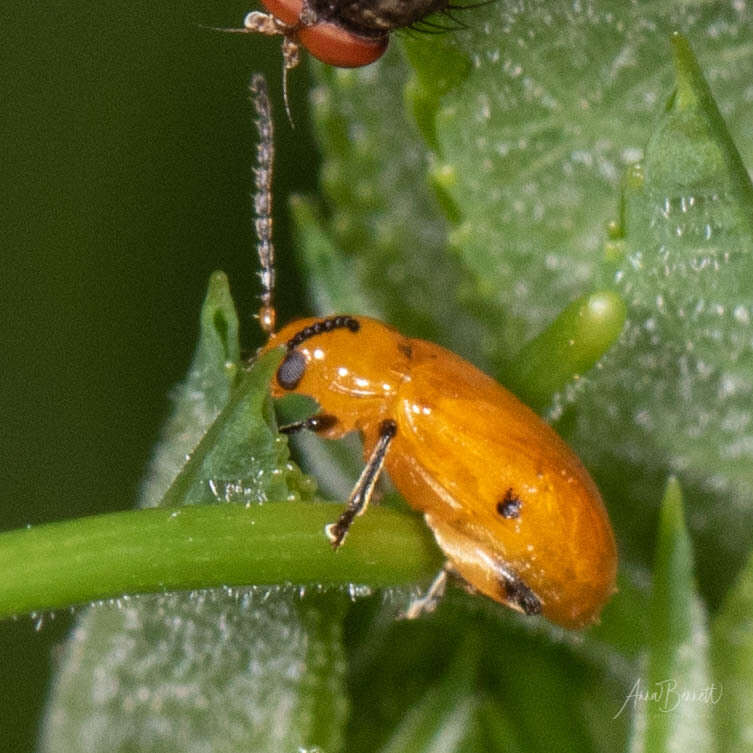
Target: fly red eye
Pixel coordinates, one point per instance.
(328, 41)
(335, 46)
(287, 11)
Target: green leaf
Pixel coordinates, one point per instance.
(220, 670)
(500, 732)
(496, 680)
(556, 104)
(332, 286)
(241, 458)
(544, 691)
(206, 389)
(382, 217)
(441, 721)
(675, 393)
(732, 651)
(673, 703)
(213, 671)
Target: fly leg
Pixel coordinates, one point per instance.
(427, 603)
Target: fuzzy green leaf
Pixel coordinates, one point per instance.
(675, 394)
(555, 107)
(384, 221)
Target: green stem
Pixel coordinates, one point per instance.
(204, 546)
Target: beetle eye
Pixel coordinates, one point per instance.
(291, 370)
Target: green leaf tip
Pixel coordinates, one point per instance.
(219, 321)
(197, 401)
(733, 664)
(672, 515)
(567, 348)
(241, 456)
(676, 695)
(673, 566)
(705, 153)
(691, 85)
(691, 156)
(442, 178)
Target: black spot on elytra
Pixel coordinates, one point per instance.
(509, 506)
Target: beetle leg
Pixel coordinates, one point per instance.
(291, 56)
(319, 422)
(364, 488)
(427, 603)
(519, 594)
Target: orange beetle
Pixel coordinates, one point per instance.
(510, 505)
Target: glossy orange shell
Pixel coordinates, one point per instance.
(463, 443)
(326, 41)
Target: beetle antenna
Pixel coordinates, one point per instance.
(265, 154)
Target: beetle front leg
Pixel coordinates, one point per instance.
(364, 488)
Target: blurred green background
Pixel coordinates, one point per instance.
(127, 144)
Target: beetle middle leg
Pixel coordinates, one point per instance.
(364, 488)
(518, 594)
